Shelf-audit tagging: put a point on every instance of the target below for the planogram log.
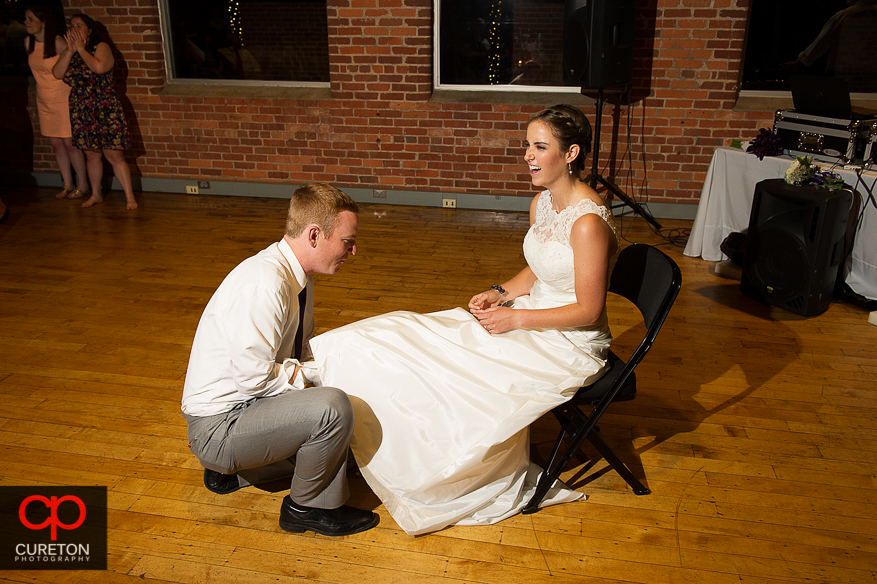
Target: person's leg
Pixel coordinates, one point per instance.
(77, 161)
(63, 160)
(314, 426)
(123, 174)
(282, 469)
(95, 167)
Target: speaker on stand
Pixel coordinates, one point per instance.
(598, 53)
(598, 43)
(795, 245)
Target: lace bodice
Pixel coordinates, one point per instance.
(547, 248)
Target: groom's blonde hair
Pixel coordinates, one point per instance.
(317, 203)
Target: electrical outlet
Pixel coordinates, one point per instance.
(449, 203)
(379, 194)
(191, 190)
(203, 184)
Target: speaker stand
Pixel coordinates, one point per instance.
(594, 178)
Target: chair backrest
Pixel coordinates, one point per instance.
(651, 280)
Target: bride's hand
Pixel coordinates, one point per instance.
(484, 300)
(496, 320)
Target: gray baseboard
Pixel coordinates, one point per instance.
(360, 195)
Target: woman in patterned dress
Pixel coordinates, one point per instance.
(99, 127)
(43, 45)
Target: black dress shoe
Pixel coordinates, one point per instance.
(222, 484)
(344, 520)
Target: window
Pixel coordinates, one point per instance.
(782, 39)
(246, 41)
(499, 44)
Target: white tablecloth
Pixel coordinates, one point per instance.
(726, 202)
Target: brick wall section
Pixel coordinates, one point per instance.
(691, 72)
(380, 130)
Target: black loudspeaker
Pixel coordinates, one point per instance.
(598, 43)
(795, 245)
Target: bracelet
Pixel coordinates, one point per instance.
(499, 289)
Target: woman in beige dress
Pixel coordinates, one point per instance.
(43, 46)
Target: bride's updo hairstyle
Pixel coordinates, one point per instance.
(570, 126)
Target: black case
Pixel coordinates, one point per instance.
(825, 139)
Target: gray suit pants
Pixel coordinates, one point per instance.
(308, 430)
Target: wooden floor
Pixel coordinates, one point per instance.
(754, 428)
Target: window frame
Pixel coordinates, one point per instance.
(485, 88)
(182, 82)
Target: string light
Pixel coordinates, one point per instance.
(494, 40)
(234, 19)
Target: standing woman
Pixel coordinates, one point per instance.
(99, 126)
(43, 45)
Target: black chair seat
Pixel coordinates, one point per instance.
(591, 394)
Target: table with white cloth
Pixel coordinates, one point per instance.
(726, 201)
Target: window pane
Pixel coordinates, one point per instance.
(501, 42)
(819, 37)
(242, 39)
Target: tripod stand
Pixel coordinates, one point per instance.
(595, 177)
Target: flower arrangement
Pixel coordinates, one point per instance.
(802, 172)
(765, 144)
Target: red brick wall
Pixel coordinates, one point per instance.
(379, 129)
(694, 65)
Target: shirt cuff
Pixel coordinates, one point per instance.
(309, 374)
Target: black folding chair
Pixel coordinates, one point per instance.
(651, 280)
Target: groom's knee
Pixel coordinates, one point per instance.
(337, 411)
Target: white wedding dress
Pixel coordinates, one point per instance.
(443, 408)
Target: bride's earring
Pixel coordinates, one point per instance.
(569, 166)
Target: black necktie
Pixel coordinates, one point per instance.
(300, 333)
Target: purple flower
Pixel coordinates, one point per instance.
(765, 144)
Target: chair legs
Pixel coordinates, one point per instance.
(576, 425)
(548, 477)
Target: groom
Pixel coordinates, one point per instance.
(245, 398)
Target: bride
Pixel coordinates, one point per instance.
(444, 401)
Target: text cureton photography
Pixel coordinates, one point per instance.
(53, 528)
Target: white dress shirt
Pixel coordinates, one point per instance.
(244, 341)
